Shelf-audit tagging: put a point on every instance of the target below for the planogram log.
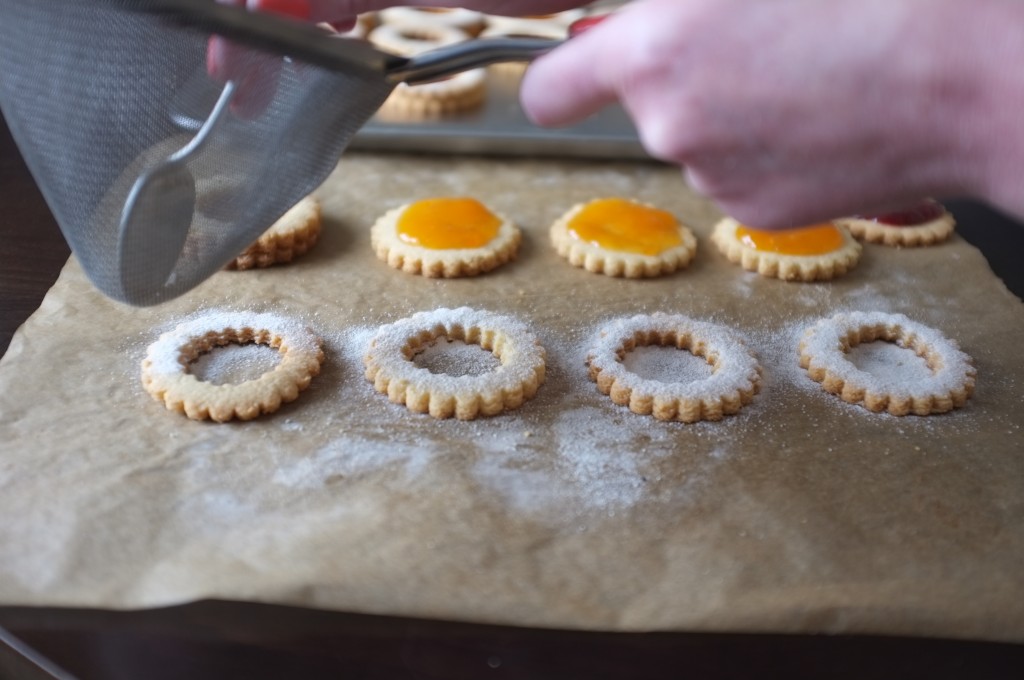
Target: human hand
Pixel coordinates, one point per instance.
(256, 73)
(785, 112)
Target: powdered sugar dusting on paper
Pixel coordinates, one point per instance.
(165, 354)
(569, 452)
(667, 364)
(234, 364)
(586, 469)
(353, 457)
(888, 360)
(454, 357)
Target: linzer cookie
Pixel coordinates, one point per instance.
(292, 235)
(461, 92)
(924, 224)
(468, 21)
(623, 237)
(166, 369)
(390, 364)
(548, 26)
(945, 380)
(734, 379)
(813, 253)
(445, 238)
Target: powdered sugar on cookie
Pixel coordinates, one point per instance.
(823, 353)
(389, 364)
(166, 376)
(732, 384)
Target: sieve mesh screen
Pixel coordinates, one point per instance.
(95, 94)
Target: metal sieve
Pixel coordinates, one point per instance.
(101, 95)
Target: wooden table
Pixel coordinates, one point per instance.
(215, 639)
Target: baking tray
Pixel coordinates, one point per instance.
(500, 127)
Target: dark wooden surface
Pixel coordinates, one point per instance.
(217, 639)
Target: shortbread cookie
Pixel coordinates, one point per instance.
(364, 23)
(292, 235)
(924, 224)
(623, 237)
(735, 379)
(445, 237)
(390, 367)
(536, 25)
(814, 253)
(469, 21)
(408, 41)
(462, 92)
(166, 376)
(824, 349)
(516, 27)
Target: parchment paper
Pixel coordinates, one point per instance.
(802, 513)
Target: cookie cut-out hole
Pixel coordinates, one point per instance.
(235, 363)
(889, 360)
(456, 358)
(667, 364)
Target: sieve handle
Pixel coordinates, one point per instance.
(452, 59)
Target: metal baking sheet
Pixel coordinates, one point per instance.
(500, 127)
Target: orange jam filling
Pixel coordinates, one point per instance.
(816, 239)
(618, 224)
(448, 223)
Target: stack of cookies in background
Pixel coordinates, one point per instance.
(408, 31)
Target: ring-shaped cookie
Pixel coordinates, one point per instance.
(549, 30)
(390, 367)
(469, 21)
(806, 268)
(165, 373)
(735, 379)
(926, 233)
(290, 236)
(537, 25)
(823, 350)
(462, 92)
(408, 41)
(611, 262)
(442, 262)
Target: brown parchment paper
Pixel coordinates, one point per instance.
(801, 513)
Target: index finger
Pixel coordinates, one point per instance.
(573, 81)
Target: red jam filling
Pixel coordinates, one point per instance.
(915, 215)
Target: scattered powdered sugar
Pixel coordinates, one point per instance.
(825, 342)
(591, 467)
(521, 356)
(602, 476)
(570, 452)
(666, 364)
(234, 364)
(736, 368)
(888, 361)
(165, 354)
(354, 456)
(456, 358)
